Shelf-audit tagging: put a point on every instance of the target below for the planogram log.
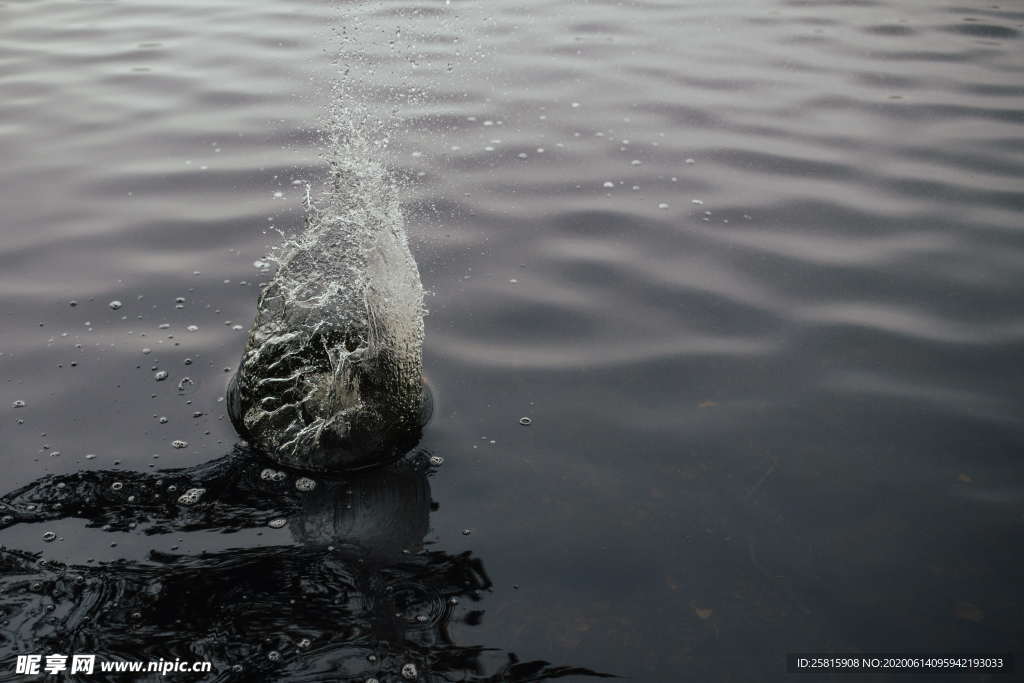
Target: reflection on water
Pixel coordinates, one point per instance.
(356, 595)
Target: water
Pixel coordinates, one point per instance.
(772, 371)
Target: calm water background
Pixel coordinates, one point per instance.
(754, 270)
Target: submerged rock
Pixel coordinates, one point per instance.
(331, 376)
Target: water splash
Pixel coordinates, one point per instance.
(331, 377)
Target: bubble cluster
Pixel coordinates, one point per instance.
(272, 475)
(305, 484)
(191, 497)
(178, 443)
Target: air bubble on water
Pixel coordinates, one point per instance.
(116, 486)
(663, 205)
(178, 443)
(49, 536)
(409, 672)
(277, 523)
(635, 162)
(697, 202)
(436, 460)
(146, 351)
(260, 265)
(191, 497)
(90, 456)
(525, 421)
(690, 161)
(183, 382)
(18, 404)
(164, 326)
(160, 375)
(608, 183)
(192, 328)
(114, 305)
(305, 484)
(163, 420)
(273, 655)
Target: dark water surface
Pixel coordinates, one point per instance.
(753, 269)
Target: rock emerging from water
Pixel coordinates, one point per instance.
(331, 376)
